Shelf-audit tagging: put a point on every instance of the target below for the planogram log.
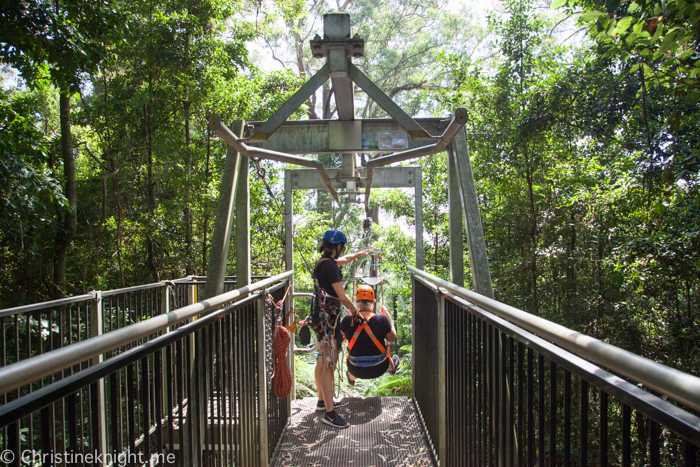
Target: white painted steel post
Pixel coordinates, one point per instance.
(442, 380)
(96, 327)
(164, 310)
(262, 380)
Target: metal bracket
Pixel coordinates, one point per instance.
(354, 47)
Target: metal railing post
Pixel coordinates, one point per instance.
(442, 378)
(418, 190)
(96, 327)
(289, 264)
(288, 305)
(262, 381)
(164, 310)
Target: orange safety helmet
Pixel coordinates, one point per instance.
(365, 292)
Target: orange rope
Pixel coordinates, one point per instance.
(283, 379)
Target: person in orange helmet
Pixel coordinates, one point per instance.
(367, 335)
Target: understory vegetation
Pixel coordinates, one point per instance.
(583, 134)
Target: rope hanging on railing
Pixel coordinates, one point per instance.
(282, 377)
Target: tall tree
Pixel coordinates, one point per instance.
(58, 42)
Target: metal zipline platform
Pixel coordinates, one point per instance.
(384, 431)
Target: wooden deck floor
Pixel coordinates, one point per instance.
(385, 432)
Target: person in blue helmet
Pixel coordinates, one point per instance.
(330, 295)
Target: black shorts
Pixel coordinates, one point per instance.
(338, 335)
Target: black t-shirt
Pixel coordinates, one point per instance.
(328, 273)
(365, 346)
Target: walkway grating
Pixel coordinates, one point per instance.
(385, 432)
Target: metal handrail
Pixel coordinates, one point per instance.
(42, 305)
(33, 369)
(135, 288)
(106, 293)
(679, 386)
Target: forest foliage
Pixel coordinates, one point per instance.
(585, 149)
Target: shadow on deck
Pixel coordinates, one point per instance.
(384, 432)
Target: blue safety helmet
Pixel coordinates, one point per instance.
(334, 236)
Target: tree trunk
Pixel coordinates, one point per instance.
(112, 165)
(151, 199)
(533, 238)
(68, 226)
(206, 211)
(570, 271)
(189, 266)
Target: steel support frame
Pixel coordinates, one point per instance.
(385, 177)
(478, 258)
(218, 253)
(243, 223)
(313, 136)
(455, 222)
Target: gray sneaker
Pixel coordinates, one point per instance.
(334, 420)
(321, 405)
(395, 360)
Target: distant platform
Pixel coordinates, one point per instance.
(384, 432)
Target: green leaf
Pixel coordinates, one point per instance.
(634, 6)
(623, 24)
(659, 208)
(638, 27)
(668, 41)
(558, 4)
(590, 15)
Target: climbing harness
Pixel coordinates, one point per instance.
(323, 318)
(367, 361)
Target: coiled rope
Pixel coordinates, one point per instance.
(282, 377)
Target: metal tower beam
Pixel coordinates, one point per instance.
(414, 130)
(478, 257)
(320, 136)
(454, 202)
(218, 254)
(457, 123)
(291, 105)
(234, 141)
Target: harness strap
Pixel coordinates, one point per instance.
(368, 330)
(313, 275)
(369, 360)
